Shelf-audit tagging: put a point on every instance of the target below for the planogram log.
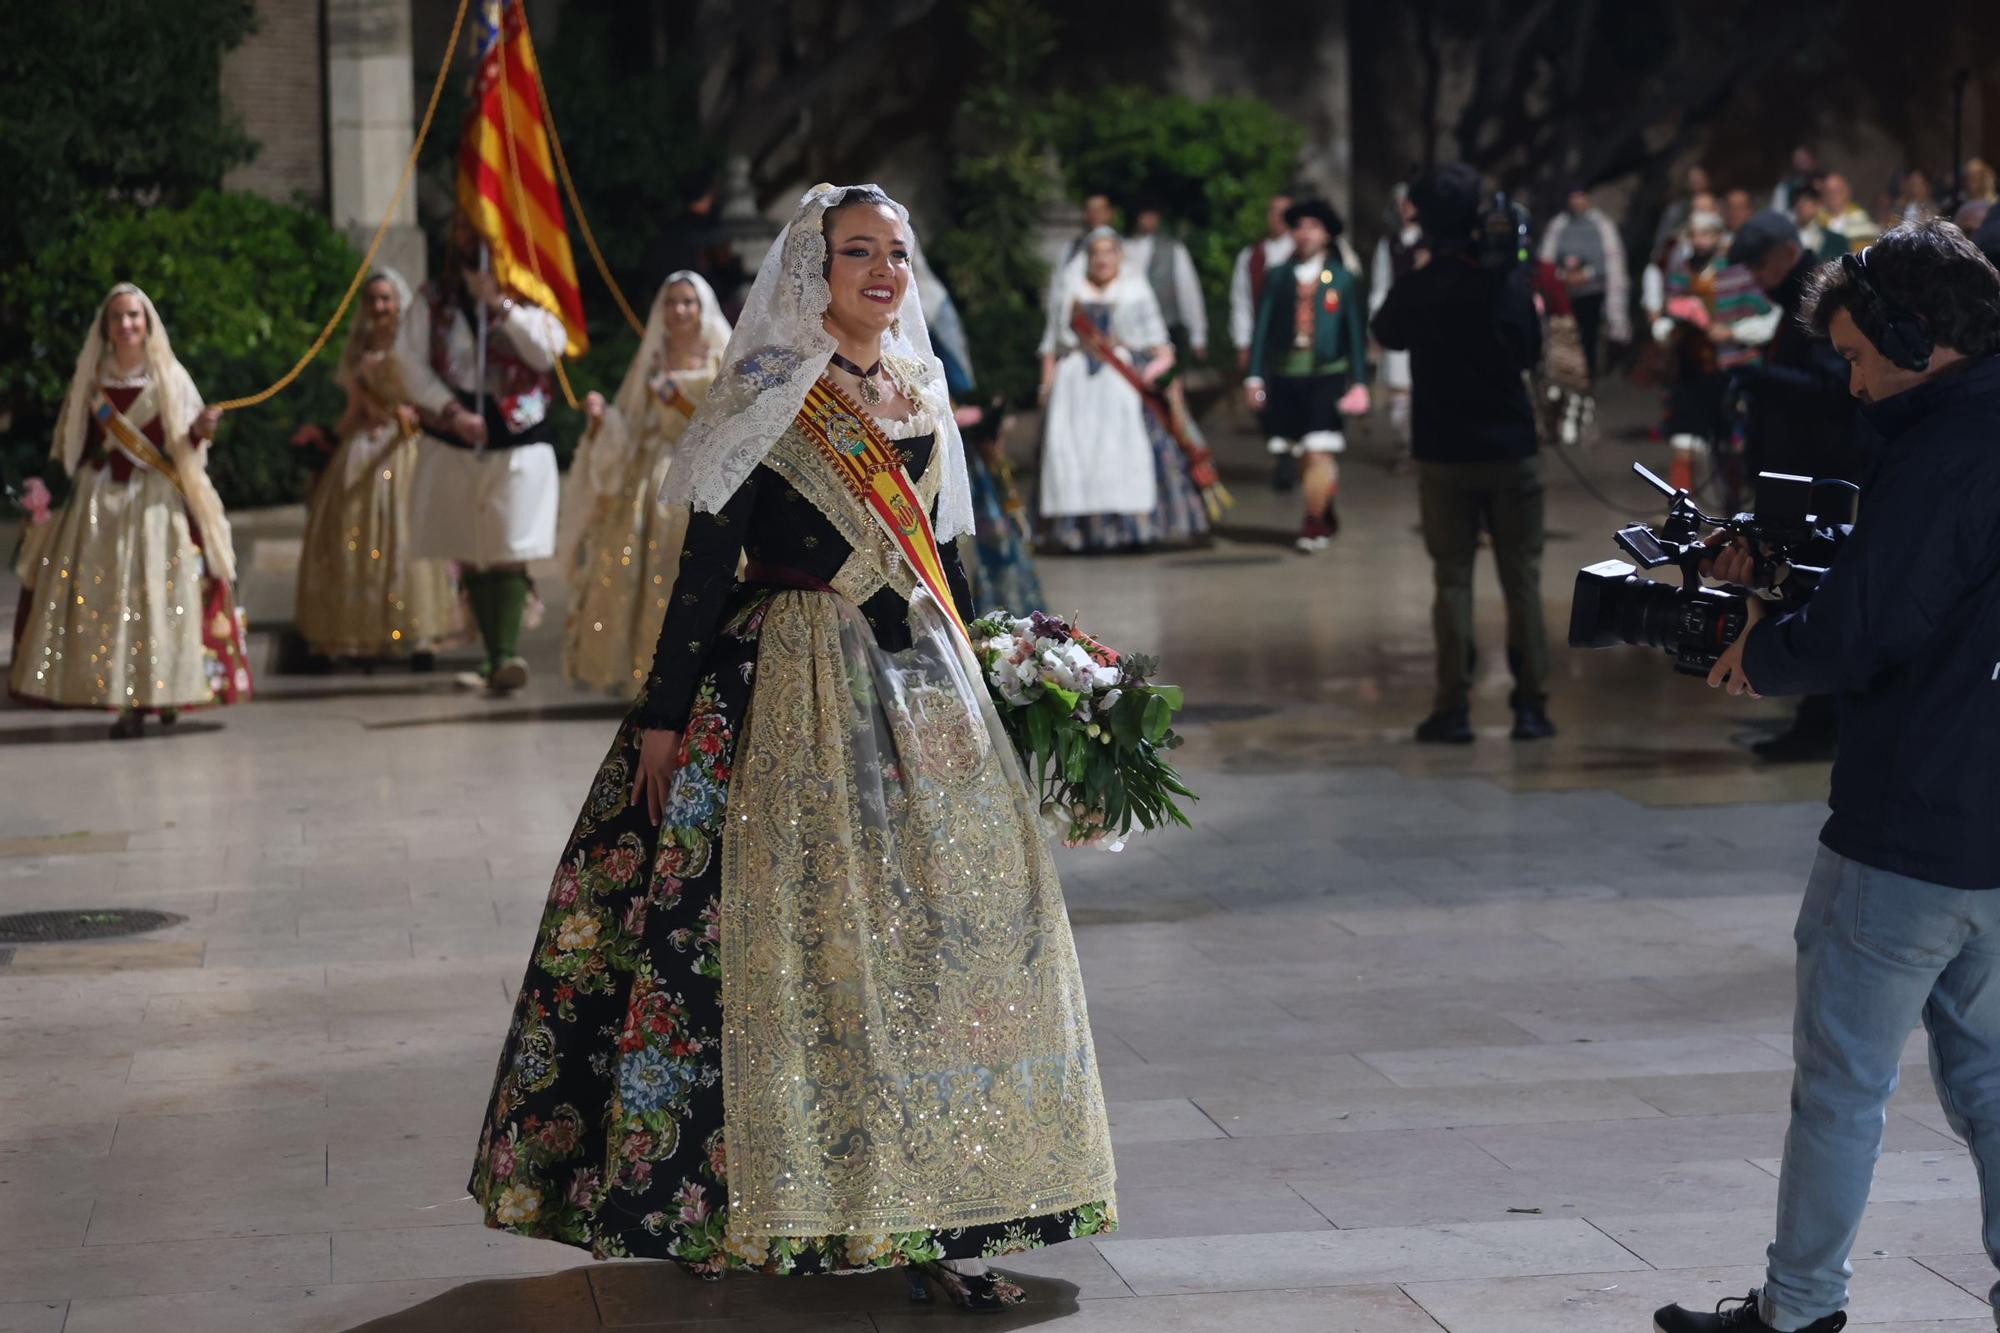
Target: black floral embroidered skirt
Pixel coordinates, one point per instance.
(605, 1129)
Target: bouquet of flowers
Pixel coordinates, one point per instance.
(1092, 729)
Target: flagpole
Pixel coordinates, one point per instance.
(479, 392)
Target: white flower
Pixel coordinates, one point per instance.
(1110, 700)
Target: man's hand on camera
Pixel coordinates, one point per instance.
(1727, 673)
(1734, 562)
(1731, 560)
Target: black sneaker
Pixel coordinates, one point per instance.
(1447, 726)
(1743, 1318)
(1531, 723)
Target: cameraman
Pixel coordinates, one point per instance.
(1471, 329)
(1801, 420)
(1901, 919)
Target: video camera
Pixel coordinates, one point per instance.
(1797, 522)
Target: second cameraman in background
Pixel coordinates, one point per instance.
(1901, 920)
(1467, 317)
(1800, 420)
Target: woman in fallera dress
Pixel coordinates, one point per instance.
(1002, 573)
(128, 599)
(361, 593)
(1112, 477)
(626, 558)
(804, 998)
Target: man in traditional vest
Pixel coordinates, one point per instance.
(1254, 263)
(485, 497)
(1309, 360)
(1169, 268)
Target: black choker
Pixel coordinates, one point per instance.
(871, 393)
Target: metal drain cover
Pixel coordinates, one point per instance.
(84, 924)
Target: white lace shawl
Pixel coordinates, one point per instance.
(779, 348)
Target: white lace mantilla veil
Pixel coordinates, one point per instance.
(781, 346)
(634, 390)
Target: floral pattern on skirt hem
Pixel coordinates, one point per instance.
(605, 1128)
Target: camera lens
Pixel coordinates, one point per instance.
(1614, 606)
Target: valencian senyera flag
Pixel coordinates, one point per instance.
(506, 177)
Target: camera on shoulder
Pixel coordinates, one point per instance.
(1794, 529)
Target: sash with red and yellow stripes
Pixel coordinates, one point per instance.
(874, 472)
(120, 428)
(670, 395)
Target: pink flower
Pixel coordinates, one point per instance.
(564, 891)
(622, 863)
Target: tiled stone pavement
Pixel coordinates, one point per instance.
(1488, 1040)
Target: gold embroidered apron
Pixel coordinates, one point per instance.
(905, 1043)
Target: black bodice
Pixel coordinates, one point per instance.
(769, 521)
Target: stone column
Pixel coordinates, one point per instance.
(371, 121)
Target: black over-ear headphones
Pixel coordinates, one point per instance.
(1897, 333)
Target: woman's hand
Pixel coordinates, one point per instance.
(1354, 403)
(659, 755)
(593, 405)
(205, 423)
(407, 415)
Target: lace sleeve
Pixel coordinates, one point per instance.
(701, 591)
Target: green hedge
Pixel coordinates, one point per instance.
(243, 285)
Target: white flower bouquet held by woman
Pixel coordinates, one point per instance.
(1092, 729)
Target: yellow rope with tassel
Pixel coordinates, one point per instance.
(375, 243)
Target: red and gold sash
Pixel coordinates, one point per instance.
(874, 472)
(133, 442)
(1200, 463)
(670, 394)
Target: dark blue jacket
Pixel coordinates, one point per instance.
(1470, 332)
(1905, 628)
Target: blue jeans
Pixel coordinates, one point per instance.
(1877, 953)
